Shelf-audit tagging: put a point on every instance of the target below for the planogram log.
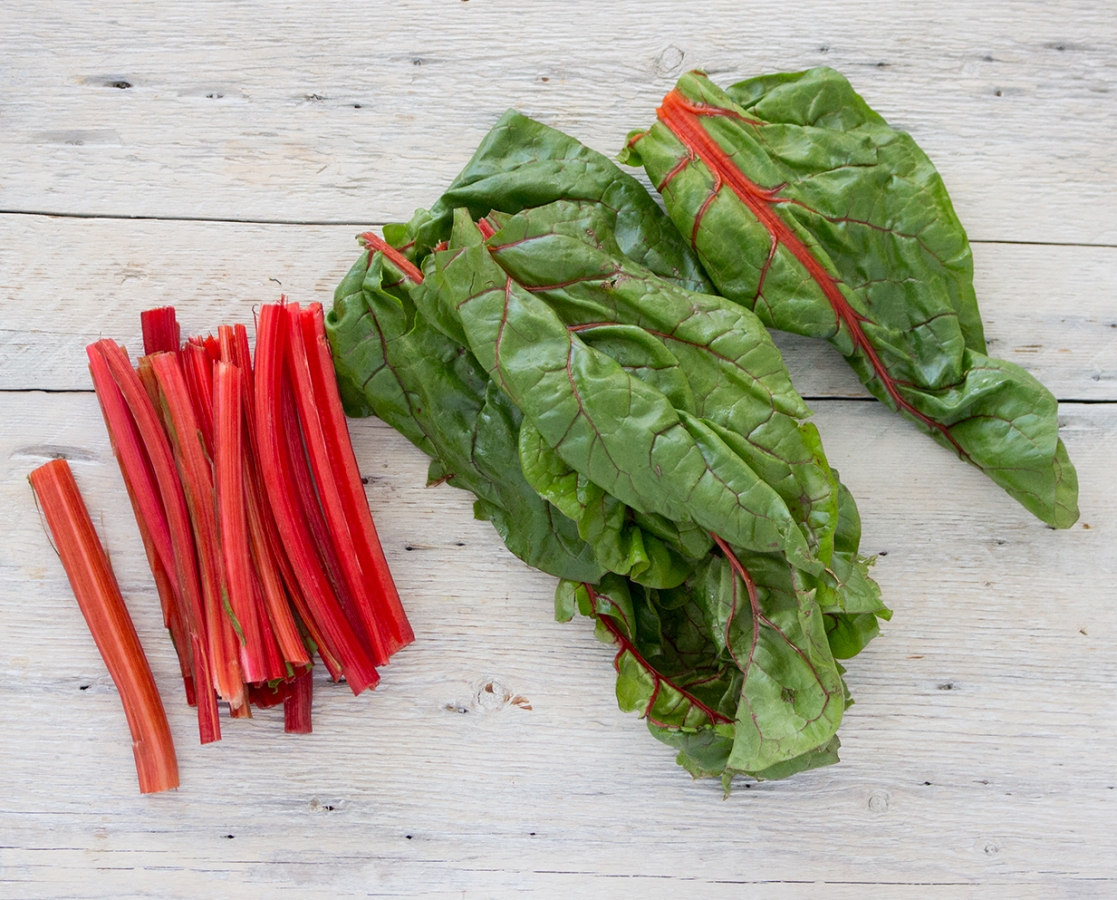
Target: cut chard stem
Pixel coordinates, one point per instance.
(160, 330)
(335, 524)
(198, 369)
(373, 243)
(151, 517)
(231, 521)
(380, 586)
(197, 481)
(171, 493)
(267, 553)
(297, 704)
(307, 496)
(340, 641)
(98, 594)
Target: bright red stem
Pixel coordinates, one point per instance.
(340, 640)
(160, 330)
(380, 586)
(329, 493)
(197, 481)
(401, 262)
(231, 519)
(143, 493)
(185, 569)
(486, 228)
(95, 587)
(296, 706)
(316, 523)
(198, 369)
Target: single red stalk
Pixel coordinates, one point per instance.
(197, 481)
(212, 347)
(227, 350)
(486, 228)
(682, 117)
(135, 465)
(274, 663)
(151, 386)
(340, 640)
(329, 493)
(143, 493)
(625, 645)
(401, 262)
(296, 706)
(378, 578)
(232, 526)
(95, 587)
(198, 369)
(185, 569)
(160, 330)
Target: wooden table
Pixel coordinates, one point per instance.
(212, 155)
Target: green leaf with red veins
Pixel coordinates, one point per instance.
(391, 362)
(792, 697)
(618, 431)
(734, 376)
(522, 163)
(806, 207)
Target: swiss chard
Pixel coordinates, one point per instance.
(806, 207)
(639, 422)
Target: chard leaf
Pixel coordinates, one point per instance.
(615, 429)
(656, 557)
(806, 207)
(792, 696)
(522, 163)
(391, 362)
(610, 420)
(735, 376)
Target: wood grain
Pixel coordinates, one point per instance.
(1052, 310)
(979, 750)
(344, 112)
(978, 759)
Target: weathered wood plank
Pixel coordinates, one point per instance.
(347, 112)
(978, 757)
(67, 282)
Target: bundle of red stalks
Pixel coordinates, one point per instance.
(252, 511)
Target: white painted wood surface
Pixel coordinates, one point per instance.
(981, 757)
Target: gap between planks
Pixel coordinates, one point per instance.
(341, 223)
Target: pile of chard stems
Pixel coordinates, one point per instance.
(252, 511)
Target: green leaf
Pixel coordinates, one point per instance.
(615, 429)
(792, 696)
(657, 558)
(735, 377)
(433, 392)
(608, 420)
(522, 163)
(806, 207)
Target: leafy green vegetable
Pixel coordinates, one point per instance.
(806, 207)
(628, 430)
